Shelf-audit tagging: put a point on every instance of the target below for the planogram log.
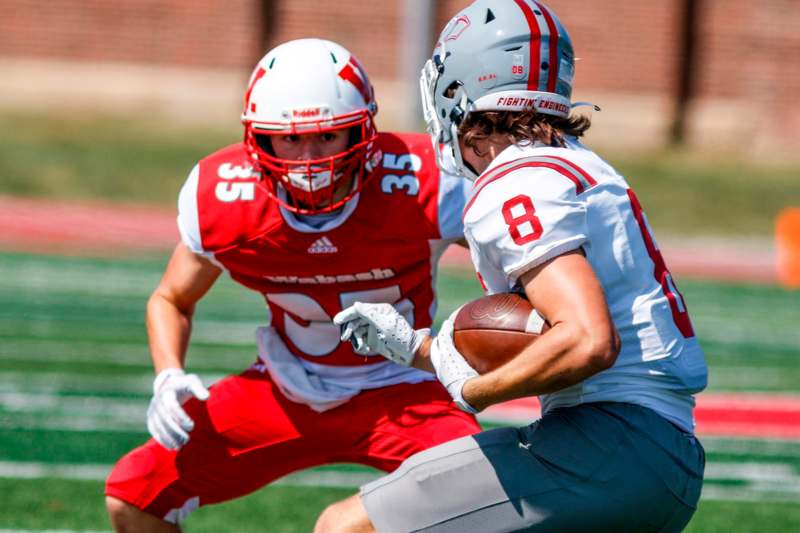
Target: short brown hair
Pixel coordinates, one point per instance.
(521, 126)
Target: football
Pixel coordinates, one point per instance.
(494, 329)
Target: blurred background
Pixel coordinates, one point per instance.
(707, 73)
(106, 106)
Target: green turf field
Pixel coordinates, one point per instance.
(75, 381)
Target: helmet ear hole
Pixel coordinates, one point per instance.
(451, 89)
(265, 143)
(354, 137)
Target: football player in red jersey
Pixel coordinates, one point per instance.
(315, 210)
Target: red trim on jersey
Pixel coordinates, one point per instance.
(489, 178)
(661, 272)
(572, 164)
(589, 179)
(478, 183)
(257, 76)
(348, 73)
(533, 63)
(553, 48)
(483, 283)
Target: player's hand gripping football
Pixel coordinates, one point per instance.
(452, 369)
(167, 422)
(379, 328)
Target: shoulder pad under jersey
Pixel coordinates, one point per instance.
(231, 206)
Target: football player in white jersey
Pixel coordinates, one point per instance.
(616, 372)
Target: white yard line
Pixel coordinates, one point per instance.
(755, 472)
(760, 481)
(73, 413)
(745, 494)
(99, 472)
(751, 446)
(91, 472)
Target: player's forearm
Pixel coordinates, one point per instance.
(422, 359)
(562, 357)
(168, 329)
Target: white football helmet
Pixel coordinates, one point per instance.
(495, 55)
(310, 86)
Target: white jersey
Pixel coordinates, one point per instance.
(536, 202)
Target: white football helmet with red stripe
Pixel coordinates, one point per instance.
(495, 55)
(309, 86)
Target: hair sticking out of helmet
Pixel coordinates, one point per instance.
(310, 86)
(495, 56)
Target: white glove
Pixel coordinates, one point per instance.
(167, 422)
(379, 328)
(451, 368)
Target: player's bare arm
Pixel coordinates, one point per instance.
(581, 342)
(186, 280)
(169, 320)
(422, 359)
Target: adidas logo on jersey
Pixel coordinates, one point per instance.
(323, 245)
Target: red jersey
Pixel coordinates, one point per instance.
(382, 247)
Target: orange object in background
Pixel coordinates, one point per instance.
(787, 243)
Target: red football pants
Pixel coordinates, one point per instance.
(247, 434)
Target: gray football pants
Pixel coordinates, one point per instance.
(594, 467)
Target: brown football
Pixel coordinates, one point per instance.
(494, 329)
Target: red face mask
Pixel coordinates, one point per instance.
(315, 185)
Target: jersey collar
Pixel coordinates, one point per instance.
(299, 225)
(512, 152)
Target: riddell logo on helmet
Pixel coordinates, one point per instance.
(306, 113)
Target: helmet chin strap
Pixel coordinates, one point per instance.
(463, 167)
(471, 169)
(287, 197)
(318, 179)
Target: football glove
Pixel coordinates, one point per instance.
(167, 422)
(379, 328)
(451, 368)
